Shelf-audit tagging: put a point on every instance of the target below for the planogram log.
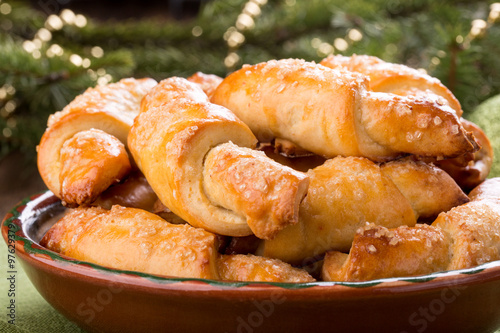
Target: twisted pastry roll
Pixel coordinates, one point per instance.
(110, 109)
(331, 112)
(465, 236)
(347, 192)
(395, 78)
(193, 154)
(469, 169)
(136, 240)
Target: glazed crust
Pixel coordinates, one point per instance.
(133, 239)
(394, 78)
(208, 82)
(247, 181)
(470, 171)
(331, 112)
(346, 192)
(463, 237)
(378, 252)
(172, 138)
(241, 267)
(91, 161)
(110, 108)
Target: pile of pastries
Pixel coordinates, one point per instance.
(352, 169)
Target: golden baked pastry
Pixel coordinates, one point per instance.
(110, 108)
(208, 82)
(347, 192)
(395, 78)
(284, 162)
(463, 237)
(193, 154)
(136, 240)
(331, 112)
(91, 161)
(240, 267)
(469, 169)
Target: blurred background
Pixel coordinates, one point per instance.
(52, 50)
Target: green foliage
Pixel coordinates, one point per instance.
(419, 33)
(487, 116)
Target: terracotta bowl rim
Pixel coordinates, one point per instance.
(35, 255)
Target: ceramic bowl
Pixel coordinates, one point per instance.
(100, 299)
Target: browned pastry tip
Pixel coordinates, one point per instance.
(429, 189)
(470, 170)
(91, 161)
(378, 252)
(207, 82)
(474, 227)
(247, 181)
(239, 267)
(136, 240)
(424, 127)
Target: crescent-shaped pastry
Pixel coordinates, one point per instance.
(136, 240)
(194, 155)
(463, 237)
(347, 192)
(395, 78)
(110, 108)
(331, 112)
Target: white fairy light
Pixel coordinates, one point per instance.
(5, 9)
(29, 46)
(80, 21)
(44, 34)
(252, 9)
(236, 39)
(231, 59)
(340, 44)
(86, 63)
(7, 132)
(36, 54)
(244, 22)
(97, 52)
(67, 16)
(315, 42)
(54, 22)
(76, 59)
(355, 35)
(197, 31)
(325, 49)
(10, 106)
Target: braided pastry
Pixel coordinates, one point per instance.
(465, 236)
(193, 154)
(330, 112)
(110, 109)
